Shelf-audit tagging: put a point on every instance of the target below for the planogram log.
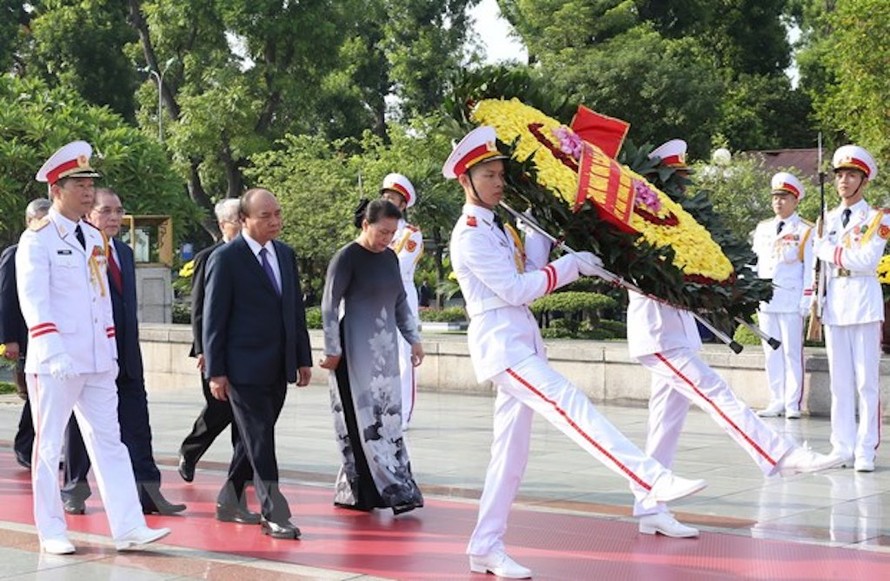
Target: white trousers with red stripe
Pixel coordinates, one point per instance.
(408, 378)
(680, 377)
(533, 386)
(854, 356)
(784, 366)
(93, 398)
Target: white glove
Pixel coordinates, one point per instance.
(823, 249)
(806, 303)
(523, 226)
(537, 249)
(588, 263)
(61, 367)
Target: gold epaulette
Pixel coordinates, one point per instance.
(807, 222)
(39, 224)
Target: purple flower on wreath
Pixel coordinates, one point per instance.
(569, 142)
(646, 198)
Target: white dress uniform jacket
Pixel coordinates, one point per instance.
(497, 291)
(786, 258)
(853, 293)
(654, 327)
(408, 246)
(65, 298)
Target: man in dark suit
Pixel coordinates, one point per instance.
(255, 343)
(14, 335)
(132, 407)
(217, 414)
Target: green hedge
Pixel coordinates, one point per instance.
(182, 313)
(745, 336)
(570, 329)
(446, 315)
(449, 315)
(572, 302)
(313, 317)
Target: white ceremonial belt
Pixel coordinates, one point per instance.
(491, 303)
(844, 273)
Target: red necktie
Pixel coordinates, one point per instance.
(115, 271)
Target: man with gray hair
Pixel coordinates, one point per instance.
(217, 414)
(14, 334)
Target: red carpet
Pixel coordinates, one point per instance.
(429, 543)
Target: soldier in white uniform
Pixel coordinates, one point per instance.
(784, 248)
(665, 340)
(851, 245)
(408, 246)
(71, 361)
(506, 347)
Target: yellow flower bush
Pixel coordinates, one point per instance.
(884, 270)
(188, 269)
(696, 253)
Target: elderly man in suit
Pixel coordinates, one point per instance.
(216, 415)
(14, 334)
(255, 343)
(132, 406)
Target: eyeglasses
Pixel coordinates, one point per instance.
(105, 211)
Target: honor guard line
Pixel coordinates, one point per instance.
(619, 281)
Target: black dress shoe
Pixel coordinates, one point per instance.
(23, 460)
(186, 469)
(283, 530)
(238, 514)
(160, 505)
(74, 506)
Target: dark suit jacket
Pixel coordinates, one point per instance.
(126, 323)
(12, 324)
(198, 299)
(250, 334)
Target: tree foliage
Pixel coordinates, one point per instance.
(320, 182)
(664, 88)
(856, 101)
(35, 120)
(243, 80)
(686, 68)
(80, 45)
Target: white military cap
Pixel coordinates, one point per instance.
(855, 157)
(479, 146)
(399, 183)
(672, 154)
(72, 160)
(785, 183)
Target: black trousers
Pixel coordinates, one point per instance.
(256, 408)
(215, 417)
(132, 413)
(24, 436)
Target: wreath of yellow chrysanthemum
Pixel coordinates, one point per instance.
(696, 253)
